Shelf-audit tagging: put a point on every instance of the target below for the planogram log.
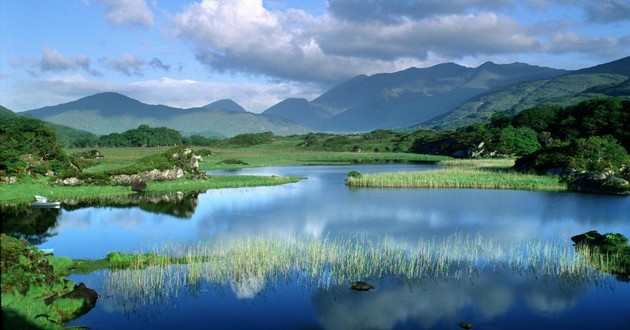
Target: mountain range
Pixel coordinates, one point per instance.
(443, 96)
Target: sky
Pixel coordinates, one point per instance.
(260, 52)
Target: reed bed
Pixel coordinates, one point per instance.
(253, 263)
(458, 177)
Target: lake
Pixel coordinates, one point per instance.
(322, 207)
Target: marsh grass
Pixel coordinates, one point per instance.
(463, 174)
(258, 262)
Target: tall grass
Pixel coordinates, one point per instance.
(458, 178)
(462, 173)
(256, 262)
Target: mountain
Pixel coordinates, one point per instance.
(393, 100)
(106, 113)
(225, 104)
(4, 112)
(609, 79)
(299, 111)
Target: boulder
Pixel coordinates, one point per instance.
(361, 286)
(81, 292)
(72, 181)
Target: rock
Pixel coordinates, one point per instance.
(90, 154)
(139, 186)
(9, 179)
(590, 238)
(466, 325)
(361, 286)
(599, 183)
(82, 292)
(72, 181)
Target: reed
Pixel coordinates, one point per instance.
(258, 262)
(458, 177)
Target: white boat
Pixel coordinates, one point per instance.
(54, 205)
(41, 201)
(48, 252)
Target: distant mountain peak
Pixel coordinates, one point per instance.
(226, 105)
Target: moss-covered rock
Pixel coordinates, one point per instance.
(35, 293)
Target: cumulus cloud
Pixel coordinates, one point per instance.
(127, 64)
(453, 36)
(364, 37)
(243, 36)
(130, 13)
(53, 61)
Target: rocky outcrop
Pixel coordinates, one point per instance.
(182, 161)
(72, 181)
(599, 183)
(148, 176)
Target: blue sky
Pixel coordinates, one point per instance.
(191, 53)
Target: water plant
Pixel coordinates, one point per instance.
(257, 262)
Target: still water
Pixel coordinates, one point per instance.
(321, 206)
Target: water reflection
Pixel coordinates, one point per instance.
(35, 225)
(38, 225)
(492, 299)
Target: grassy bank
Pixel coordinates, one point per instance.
(24, 191)
(468, 174)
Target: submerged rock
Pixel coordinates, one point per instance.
(361, 286)
(466, 325)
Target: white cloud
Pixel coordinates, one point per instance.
(126, 63)
(53, 61)
(132, 13)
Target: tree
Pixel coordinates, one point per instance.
(517, 141)
(29, 146)
(598, 154)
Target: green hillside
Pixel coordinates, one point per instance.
(564, 90)
(112, 113)
(4, 112)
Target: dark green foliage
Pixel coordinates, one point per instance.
(199, 140)
(595, 154)
(537, 118)
(30, 147)
(248, 140)
(354, 174)
(610, 116)
(4, 112)
(613, 245)
(23, 266)
(69, 137)
(516, 141)
(143, 136)
(232, 161)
